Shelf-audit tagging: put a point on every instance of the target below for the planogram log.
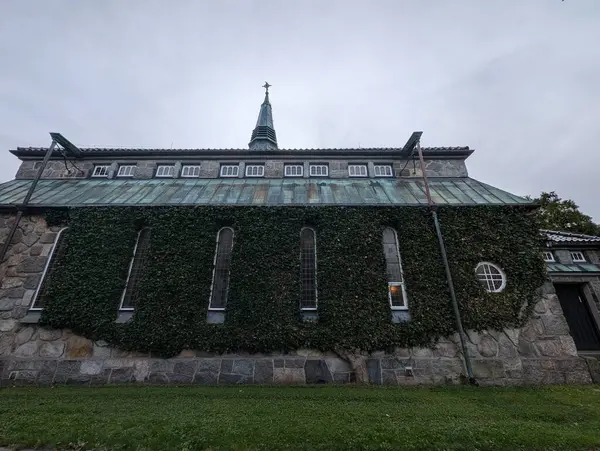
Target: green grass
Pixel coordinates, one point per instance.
(310, 418)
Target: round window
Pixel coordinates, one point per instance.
(491, 277)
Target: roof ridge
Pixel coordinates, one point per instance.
(564, 233)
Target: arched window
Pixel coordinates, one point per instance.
(396, 288)
(53, 262)
(138, 261)
(220, 282)
(491, 277)
(308, 269)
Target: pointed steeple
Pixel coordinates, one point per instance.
(263, 136)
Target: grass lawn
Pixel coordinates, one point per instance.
(324, 417)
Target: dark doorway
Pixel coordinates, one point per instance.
(577, 312)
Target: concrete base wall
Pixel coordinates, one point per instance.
(542, 352)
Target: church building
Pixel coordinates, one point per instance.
(269, 265)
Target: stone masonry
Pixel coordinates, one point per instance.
(542, 352)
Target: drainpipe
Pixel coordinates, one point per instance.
(23, 205)
(440, 237)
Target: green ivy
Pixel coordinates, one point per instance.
(262, 312)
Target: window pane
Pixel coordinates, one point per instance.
(138, 262)
(55, 261)
(220, 287)
(396, 295)
(308, 269)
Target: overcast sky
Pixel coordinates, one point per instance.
(517, 80)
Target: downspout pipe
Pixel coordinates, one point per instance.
(440, 237)
(21, 207)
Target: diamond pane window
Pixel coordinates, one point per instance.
(138, 261)
(55, 259)
(382, 170)
(319, 170)
(577, 257)
(126, 171)
(101, 171)
(255, 170)
(190, 171)
(396, 287)
(308, 269)
(294, 170)
(229, 170)
(165, 171)
(357, 170)
(220, 282)
(491, 277)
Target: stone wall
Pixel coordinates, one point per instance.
(146, 168)
(542, 352)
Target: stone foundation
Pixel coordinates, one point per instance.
(542, 352)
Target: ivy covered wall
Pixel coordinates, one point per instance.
(262, 311)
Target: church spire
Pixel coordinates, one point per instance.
(263, 136)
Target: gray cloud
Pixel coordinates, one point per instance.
(516, 80)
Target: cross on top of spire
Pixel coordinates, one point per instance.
(266, 86)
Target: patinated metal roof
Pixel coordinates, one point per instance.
(567, 237)
(86, 192)
(572, 267)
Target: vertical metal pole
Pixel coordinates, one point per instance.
(440, 237)
(21, 207)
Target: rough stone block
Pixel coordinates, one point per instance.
(29, 349)
(568, 345)
(389, 377)
(445, 349)
(69, 371)
(341, 378)
(317, 372)
(31, 282)
(487, 347)
(79, 347)
(141, 370)
(183, 372)
(209, 365)
(47, 372)
(206, 377)
(91, 367)
(100, 351)
(486, 369)
(279, 363)
(289, 376)
(421, 352)
(227, 366)
(32, 265)
(52, 349)
(7, 304)
(263, 371)
(578, 377)
(101, 378)
(8, 325)
(48, 238)
(243, 366)
(506, 348)
(121, 375)
(294, 363)
(24, 335)
(125, 363)
(554, 305)
(36, 250)
(49, 334)
(555, 325)
(550, 347)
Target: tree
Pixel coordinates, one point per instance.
(564, 215)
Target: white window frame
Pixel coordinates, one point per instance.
(298, 167)
(260, 169)
(324, 168)
(234, 167)
(578, 257)
(212, 284)
(193, 171)
(398, 283)
(126, 170)
(316, 307)
(383, 168)
(46, 266)
(496, 267)
(548, 257)
(99, 168)
(137, 242)
(165, 168)
(355, 170)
